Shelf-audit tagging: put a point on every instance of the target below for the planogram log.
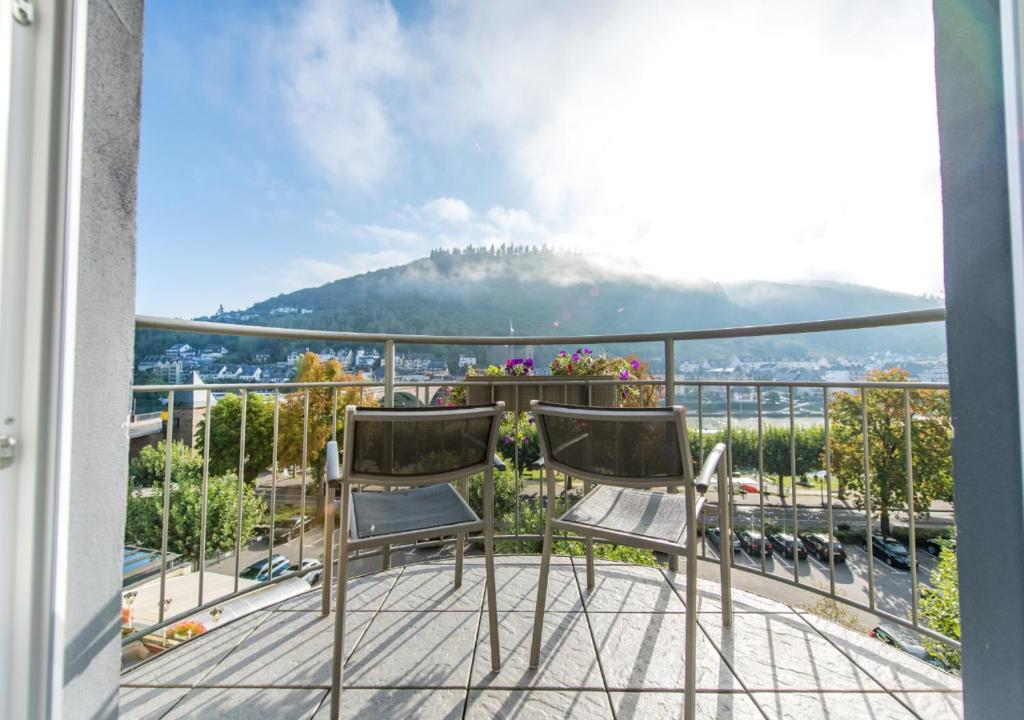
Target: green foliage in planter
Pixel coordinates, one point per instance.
(524, 435)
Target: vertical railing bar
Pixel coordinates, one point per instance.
(241, 488)
(700, 425)
(725, 544)
(273, 480)
(867, 498)
(828, 496)
(700, 464)
(203, 494)
(334, 416)
(792, 482)
(305, 466)
(515, 461)
(670, 399)
(760, 477)
(168, 446)
(909, 452)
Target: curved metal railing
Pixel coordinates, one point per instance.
(690, 392)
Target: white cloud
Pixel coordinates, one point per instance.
(304, 272)
(331, 65)
(447, 209)
(390, 235)
(720, 140)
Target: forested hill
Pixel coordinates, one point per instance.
(480, 291)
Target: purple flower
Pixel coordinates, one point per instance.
(624, 375)
(587, 351)
(562, 354)
(507, 439)
(575, 357)
(635, 364)
(530, 421)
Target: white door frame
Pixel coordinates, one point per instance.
(41, 89)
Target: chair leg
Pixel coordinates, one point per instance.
(460, 542)
(590, 563)
(589, 547)
(690, 701)
(325, 598)
(542, 591)
(492, 593)
(673, 560)
(492, 601)
(338, 659)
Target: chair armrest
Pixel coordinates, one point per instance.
(711, 462)
(499, 464)
(538, 464)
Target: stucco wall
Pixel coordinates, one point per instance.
(102, 356)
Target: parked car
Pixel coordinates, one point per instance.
(934, 545)
(316, 571)
(262, 571)
(288, 529)
(817, 545)
(784, 543)
(715, 536)
(891, 550)
(751, 541)
(905, 641)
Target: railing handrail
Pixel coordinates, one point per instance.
(909, 317)
(555, 380)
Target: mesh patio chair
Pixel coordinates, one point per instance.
(422, 450)
(620, 454)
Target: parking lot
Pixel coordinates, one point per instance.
(892, 585)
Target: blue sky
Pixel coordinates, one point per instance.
(288, 144)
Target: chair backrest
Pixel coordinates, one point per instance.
(641, 447)
(418, 446)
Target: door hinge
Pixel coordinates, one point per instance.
(23, 11)
(7, 446)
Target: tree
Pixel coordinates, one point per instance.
(940, 604)
(225, 432)
(144, 520)
(310, 369)
(147, 468)
(931, 445)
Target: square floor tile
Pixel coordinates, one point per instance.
(147, 703)
(361, 593)
(646, 651)
(934, 705)
(186, 664)
(360, 703)
(831, 706)
(431, 588)
(709, 596)
(415, 649)
(246, 704)
(779, 651)
(627, 588)
(288, 650)
(537, 704)
(567, 657)
(894, 669)
(669, 706)
(516, 586)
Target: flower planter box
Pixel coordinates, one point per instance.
(518, 392)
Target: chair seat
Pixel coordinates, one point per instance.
(388, 513)
(650, 515)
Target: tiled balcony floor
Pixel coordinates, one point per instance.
(419, 648)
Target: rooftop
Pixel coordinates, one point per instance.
(419, 648)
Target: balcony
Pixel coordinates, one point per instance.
(418, 648)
